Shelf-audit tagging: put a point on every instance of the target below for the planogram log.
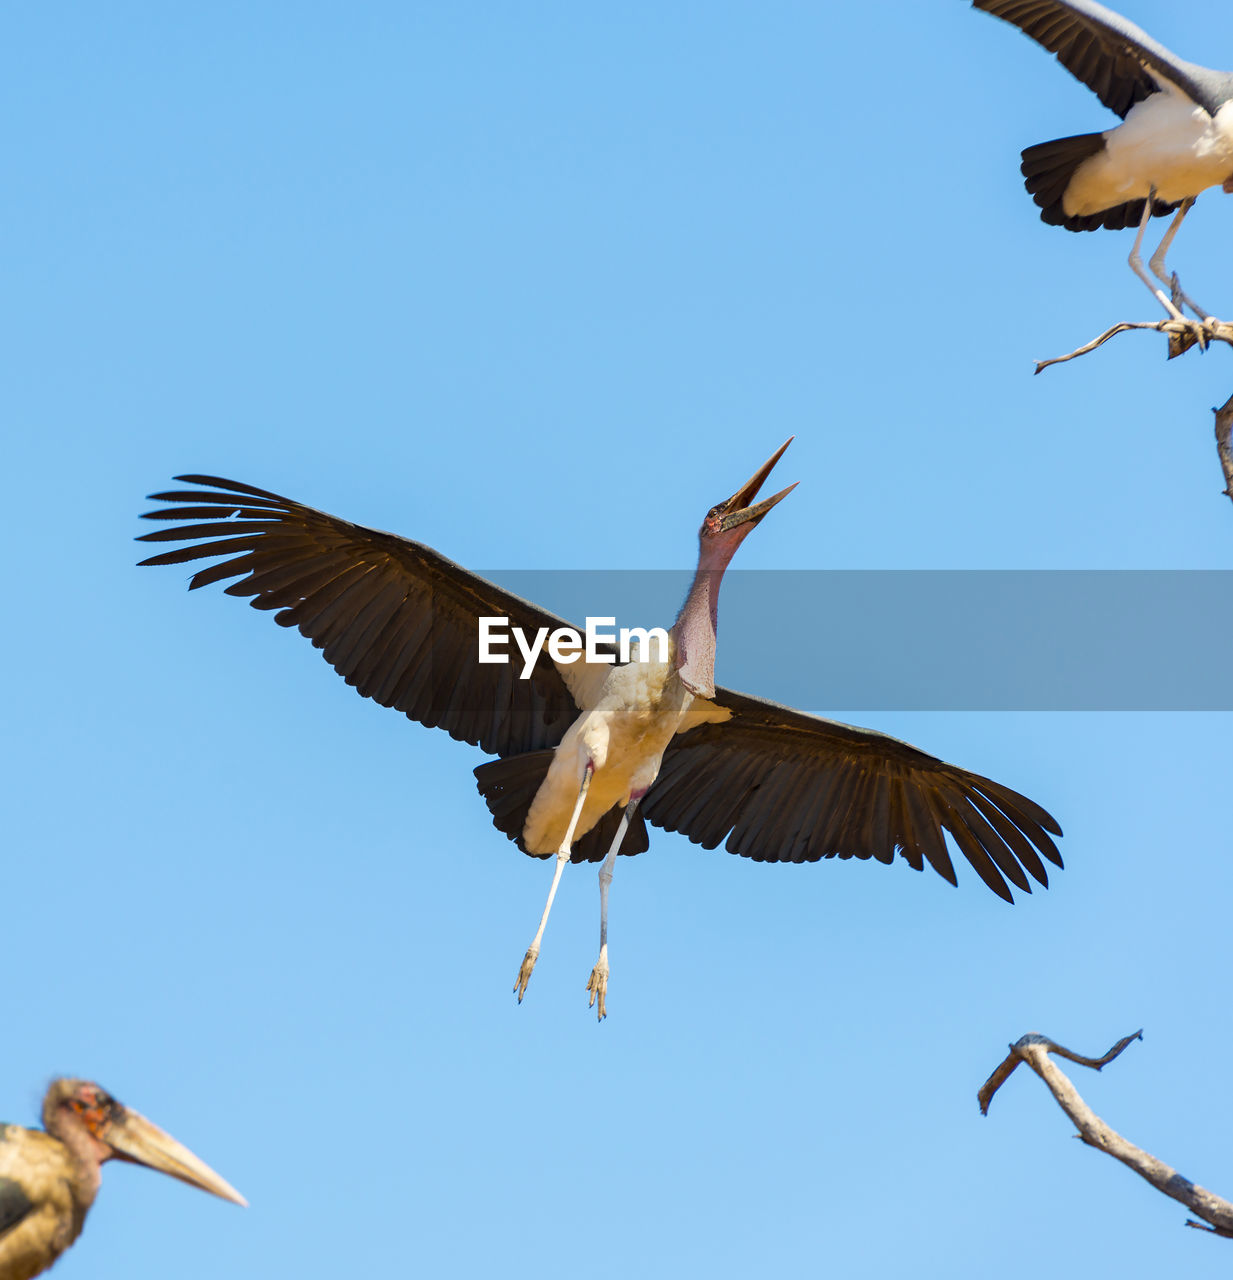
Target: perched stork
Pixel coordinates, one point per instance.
(50, 1176)
(591, 751)
(1175, 141)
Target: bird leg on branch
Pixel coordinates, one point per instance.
(528, 961)
(1194, 330)
(1136, 262)
(1157, 264)
(597, 985)
(1182, 332)
(1034, 1049)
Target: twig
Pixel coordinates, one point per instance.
(1170, 327)
(1034, 1049)
(1182, 336)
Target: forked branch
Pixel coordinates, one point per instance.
(1034, 1049)
(1182, 335)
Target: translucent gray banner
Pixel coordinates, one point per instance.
(955, 640)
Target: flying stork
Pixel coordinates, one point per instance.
(1175, 141)
(589, 752)
(50, 1176)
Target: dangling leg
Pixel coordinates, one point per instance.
(598, 984)
(1157, 265)
(528, 961)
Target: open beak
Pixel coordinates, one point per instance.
(135, 1139)
(740, 508)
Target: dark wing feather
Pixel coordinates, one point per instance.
(784, 786)
(15, 1205)
(396, 620)
(1117, 60)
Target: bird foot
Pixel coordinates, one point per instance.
(598, 987)
(524, 974)
(1197, 333)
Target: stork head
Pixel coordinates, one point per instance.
(728, 523)
(87, 1118)
(724, 529)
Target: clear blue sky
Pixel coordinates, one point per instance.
(537, 285)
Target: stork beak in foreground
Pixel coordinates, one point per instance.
(737, 510)
(135, 1139)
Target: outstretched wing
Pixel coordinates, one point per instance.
(784, 786)
(1118, 61)
(397, 621)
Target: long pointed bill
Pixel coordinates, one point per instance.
(136, 1139)
(740, 508)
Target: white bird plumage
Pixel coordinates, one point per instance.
(1166, 143)
(1175, 140)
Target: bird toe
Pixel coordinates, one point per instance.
(524, 973)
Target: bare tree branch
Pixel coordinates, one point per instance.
(1182, 335)
(1174, 328)
(1034, 1049)
(1224, 429)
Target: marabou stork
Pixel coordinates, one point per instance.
(591, 751)
(1176, 139)
(50, 1176)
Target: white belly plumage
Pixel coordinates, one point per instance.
(1165, 142)
(624, 734)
